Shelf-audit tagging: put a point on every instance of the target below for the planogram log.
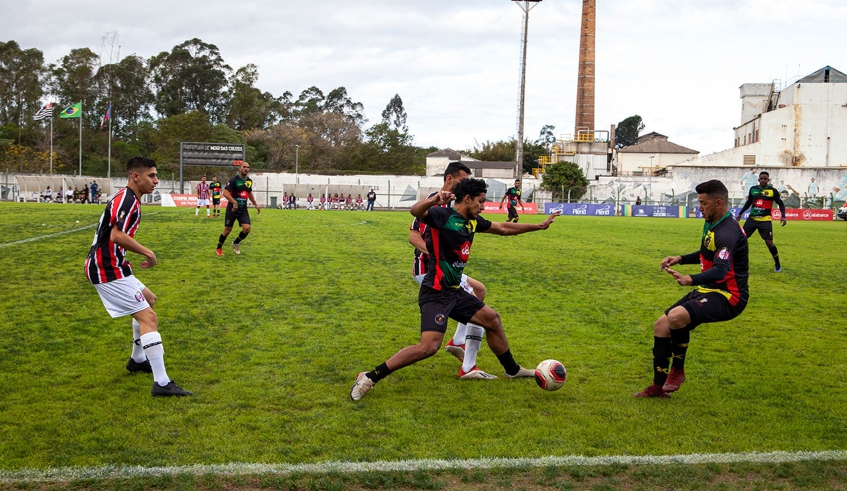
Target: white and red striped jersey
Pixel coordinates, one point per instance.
(106, 260)
(202, 190)
(421, 259)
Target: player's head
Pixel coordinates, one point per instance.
(456, 171)
(470, 195)
(142, 173)
(517, 183)
(764, 178)
(214, 178)
(714, 198)
(244, 169)
(204, 178)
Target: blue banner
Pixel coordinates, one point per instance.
(654, 211)
(581, 209)
(734, 212)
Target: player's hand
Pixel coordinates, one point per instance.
(501, 206)
(444, 197)
(680, 279)
(544, 225)
(150, 261)
(738, 217)
(669, 261)
(258, 210)
(521, 208)
(783, 222)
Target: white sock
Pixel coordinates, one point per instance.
(196, 211)
(137, 351)
(472, 343)
(152, 343)
(461, 332)
(208, 212)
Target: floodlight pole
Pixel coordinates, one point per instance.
(296, 164)
(526, 6)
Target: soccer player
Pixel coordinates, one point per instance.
(441, 295)
(514, 196)
(237, 191)
(203, 192)
(215, 187)
(760, 201)
(721, 293)
(467, 340)
(122, 294)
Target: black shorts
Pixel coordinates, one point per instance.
(437, 306)
(513, 212)
(765, 228)
(708, 307)
(231, 216)
(216, 201)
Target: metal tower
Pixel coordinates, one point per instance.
(526, 6)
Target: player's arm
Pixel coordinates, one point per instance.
(778, 200)
(120, 238)
(746, 206)
(509, 228)
(228, 196)
(416, 240)
(421, 208)
(253, 200)
(503, 200)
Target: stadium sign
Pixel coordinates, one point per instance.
(208, 154)
(655, 211)
(581, 209)
(790, 214)
(494, 207)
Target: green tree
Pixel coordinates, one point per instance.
(395, 114)
(192, 77)
(192, 126)
(337, 101)
(546, 136)
(125, 85)
(564, 179)
(247, 106)
(627, 131)
(21, 74)
(500, 151)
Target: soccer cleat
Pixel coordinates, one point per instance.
(777, 270)
(236, 248)
(169, 390)
(362, 386)
(522, 372)
(219, 251)
(457, 350)
(652, 391)
(675, 379)
(475, 374)
(133, 366)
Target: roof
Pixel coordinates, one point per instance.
(826, 74)
(656, 143)
(446, 152)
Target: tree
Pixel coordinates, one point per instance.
(626, 132)
(125, 85)
(247, 106)
(337, 101)
(21, 73)
(193, 126)
(73, 80)
(501, 151)
(546, 136)
(192, 77)
(395, 114)
(565, 180)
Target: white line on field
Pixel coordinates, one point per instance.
(120, 472)
(33, 239)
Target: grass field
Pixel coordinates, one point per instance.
(270, 342)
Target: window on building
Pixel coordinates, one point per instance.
(749, 160)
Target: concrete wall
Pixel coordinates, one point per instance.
(629, 163)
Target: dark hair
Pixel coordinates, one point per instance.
(469, 187)
(453, 169)
(138, 164)
(713, 189)
(764, 173)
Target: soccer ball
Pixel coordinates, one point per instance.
(550, 375)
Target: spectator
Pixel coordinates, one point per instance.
(292, 202)
(309, 202)
(348, 203)
(748, 181)
(638, 200)
(95, 193)
(781, 187)
(48, 194)
(69, 196)
(284, 203)
(335, 201)
(77, 195)
(60, 195)
(371, 200)
(791, 197)
(360, 205)
(323, 204)
(83, 195)
(813, 189)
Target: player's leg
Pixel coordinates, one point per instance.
(473, 336)
(490, 321)
(151, 343)
(766, 231)
(245, 229)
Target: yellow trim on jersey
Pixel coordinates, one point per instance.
(761, 219)
(703, 289)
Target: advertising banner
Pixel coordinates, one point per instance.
(186, 200)
(790, 214)
(654, 211)
(492, 207)
(581, 209)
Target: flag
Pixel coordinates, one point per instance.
(106, 116)
(74, 111)
(45, 112)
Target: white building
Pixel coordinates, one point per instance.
(436, 164)
(652, 151)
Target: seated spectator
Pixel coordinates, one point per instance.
(292, 202)
(348, 203)
(284, 203)
(323, 204)
(77, 195)
(309, 204)
(48, 194)
(60, 195)
(335, 201)
(95, 193)
(791, 198)
(69, 196)
(360, 204)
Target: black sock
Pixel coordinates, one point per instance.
(679, 345)
(221, 240)
(509, 363)
(775, 254)
(379, 373)
(661, 359)
(241, 236)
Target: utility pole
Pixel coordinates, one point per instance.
(526, 6)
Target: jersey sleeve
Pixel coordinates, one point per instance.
(231, 184)
(482, 224)
(123, 214)
(725, 247)
(437, 217)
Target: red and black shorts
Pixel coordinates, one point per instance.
(707, 307)
(437, 305)
(765, 228)
(231, 216)
(513, 212)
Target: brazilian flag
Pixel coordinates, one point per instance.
(74, 111)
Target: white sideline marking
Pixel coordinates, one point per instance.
(120, 472)
(33, 239)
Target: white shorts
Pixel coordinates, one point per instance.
(123, 297)
(202, 202)
(464, 284)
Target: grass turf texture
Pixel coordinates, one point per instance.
(271, 340)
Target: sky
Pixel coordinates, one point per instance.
(456, 65)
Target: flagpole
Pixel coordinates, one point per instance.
(80, 139)
(51, 144)
(109, 171)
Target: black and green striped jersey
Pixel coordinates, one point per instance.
(760, 200)
(449, 245)
(240, 189)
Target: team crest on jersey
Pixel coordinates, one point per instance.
(139, 297)
(704, 300)
(440, 319)
(465, 251)
(724, 254)
(709, 241)
(122, 215)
